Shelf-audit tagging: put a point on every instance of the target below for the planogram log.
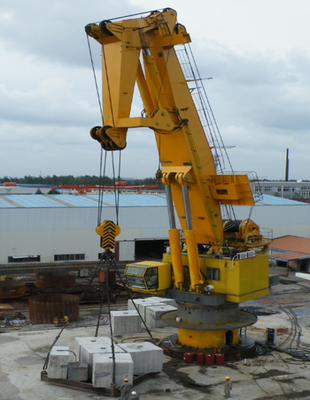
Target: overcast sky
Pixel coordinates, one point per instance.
(257, 52)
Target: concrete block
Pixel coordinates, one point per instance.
(137, 302)
(153, 313)
(58, 362)
(164, 300)
(169, 302)
(79, 341)
(125, 322)
(147, 358)
(89, 349)
(102, 375)
(154, 300)
(143, 307)
(78, 371)
(142, 304)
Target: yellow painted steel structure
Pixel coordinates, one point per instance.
(184, 151)
(140, 276)
(239, 280)
(205, 339)
(140, 52)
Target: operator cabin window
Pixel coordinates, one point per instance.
(69, 257)
(134, 277)
(151, 278)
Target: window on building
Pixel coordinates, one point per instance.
(69, 257)
(15, 259)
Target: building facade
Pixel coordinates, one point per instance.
(285, 189)
(43, 229)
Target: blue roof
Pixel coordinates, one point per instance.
(109, 200)
(279, 201)
(80, 201)
(5, 204)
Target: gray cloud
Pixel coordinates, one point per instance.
(48, 101)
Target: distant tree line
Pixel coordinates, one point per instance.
(75, 180)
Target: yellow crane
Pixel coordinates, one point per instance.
(213, 263)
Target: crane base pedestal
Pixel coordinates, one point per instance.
(208, 327)
(245, 349)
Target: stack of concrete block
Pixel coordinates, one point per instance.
(147, 358)
(58, 362)
(89, 350)
(123, 322)
(81, 341)
(153, 314)
(164, 300)
(102, 375)
(143, 304)
(137, 302)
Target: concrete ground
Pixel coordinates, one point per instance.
(281, 372)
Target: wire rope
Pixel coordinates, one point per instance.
(108, 264)
(95, 77)
(131, 15)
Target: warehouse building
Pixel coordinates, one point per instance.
(61, 228)
(292, 252)
(58, 228)
(288, 189)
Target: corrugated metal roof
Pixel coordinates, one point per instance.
(32, 201)
(89, 200)
(289, 256)
(108, 200)
(279, 201)
(296, 244)
(290, 248)
(5, 204)
(134, 200)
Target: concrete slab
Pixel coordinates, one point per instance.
(123, 322)
(103, 369)
(277, 372)
(147, 358)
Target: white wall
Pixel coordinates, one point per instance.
(282, 219)
(126, 250)
(50, 231)
(71, 230)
